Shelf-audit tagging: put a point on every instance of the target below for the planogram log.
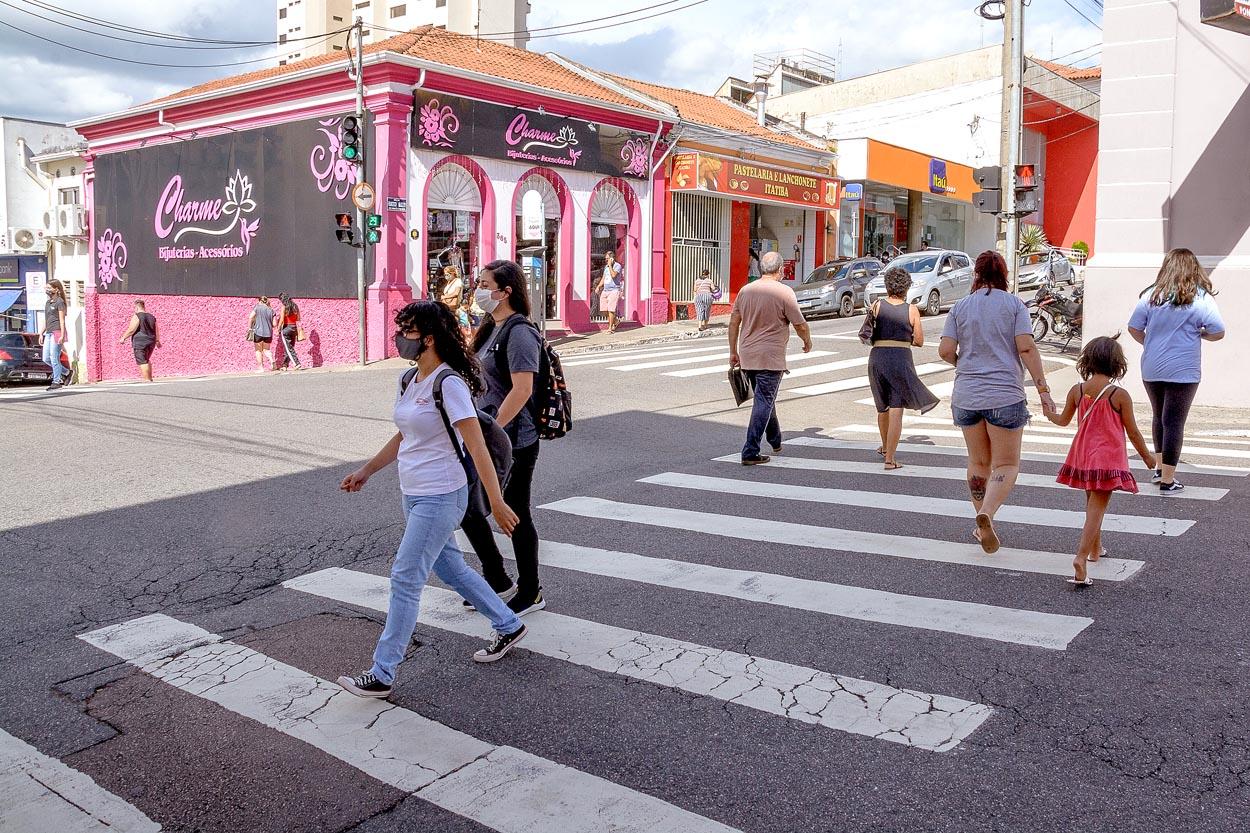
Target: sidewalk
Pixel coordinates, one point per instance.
(633, 334)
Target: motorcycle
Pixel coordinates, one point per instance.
(1054, 312)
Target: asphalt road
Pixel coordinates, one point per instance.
(810, 646)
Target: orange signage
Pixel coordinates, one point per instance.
(893, 165)
(738, 177)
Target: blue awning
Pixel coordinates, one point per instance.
(8, 297)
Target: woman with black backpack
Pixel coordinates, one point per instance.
(435, 487)
(510, 350)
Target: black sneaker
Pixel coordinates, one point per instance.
(505, 595)
(776, 449)
(500, 645)
(1171, 488)
(1157, 477)
(366, 685)
(757, 460)
(520, 607)
(55, 386)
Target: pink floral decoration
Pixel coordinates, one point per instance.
(328, 167)
(110, 255)
(437, 125)
(635, 156)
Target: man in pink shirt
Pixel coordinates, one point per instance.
(759, 330)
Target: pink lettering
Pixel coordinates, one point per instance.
(171, 206)
(168, 204)
(519, 131)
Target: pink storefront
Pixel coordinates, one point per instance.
(203, 201)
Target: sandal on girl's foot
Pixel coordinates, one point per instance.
(881, 451)
(891, 465)
(1078, 584)
(988, 538)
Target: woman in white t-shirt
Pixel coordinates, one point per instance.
(435, 490)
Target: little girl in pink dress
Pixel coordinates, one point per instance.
(1098, 459)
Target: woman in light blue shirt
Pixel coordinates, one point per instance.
(1171, 321)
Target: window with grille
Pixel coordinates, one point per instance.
(698, 226)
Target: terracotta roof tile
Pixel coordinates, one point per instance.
(1070, 73)
(711, 111)
(437, 45)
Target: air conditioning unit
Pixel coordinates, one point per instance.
(27, 240)
(50, 220)
(71, 220)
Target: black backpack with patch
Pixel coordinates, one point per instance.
(551, 403)
(497, 443)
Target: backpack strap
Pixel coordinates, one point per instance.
(500, 346)
(442, 411)
(406, 379)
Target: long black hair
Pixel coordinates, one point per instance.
(1103, 355)
(288, 306)
(432, 318)
(507, 275)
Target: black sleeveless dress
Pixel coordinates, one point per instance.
(891, 371)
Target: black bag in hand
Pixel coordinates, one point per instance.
(740, 384)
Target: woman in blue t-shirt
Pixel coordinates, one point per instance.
(1171, 321)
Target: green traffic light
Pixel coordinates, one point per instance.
(373, 235)
(350, 152)
(374, 221)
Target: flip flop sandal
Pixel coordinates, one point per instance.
(1077, 585)
(988, 537)
(881, 451)
(893, 466)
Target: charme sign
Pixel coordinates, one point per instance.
(496, 131)
(226, 215)
(736, 177)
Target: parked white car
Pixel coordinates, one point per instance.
(940, 277)
(1050, 264)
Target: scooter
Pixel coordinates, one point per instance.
(1054, 312)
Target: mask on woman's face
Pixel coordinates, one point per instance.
(485, 300)
(409, 348)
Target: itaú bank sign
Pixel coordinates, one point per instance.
(741, 178)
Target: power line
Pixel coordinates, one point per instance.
(1093, 46)
(1073, 7)
(1065, 115)
(108, 24)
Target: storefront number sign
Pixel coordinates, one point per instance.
(496, 131)
(241, 214)
(738, 177)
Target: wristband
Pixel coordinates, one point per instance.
(1042, 387)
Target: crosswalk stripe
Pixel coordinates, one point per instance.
(40, 793)
(841, 540)
(721, 367)
(828, 367)
(862, 381)
(614, 356)
(942, 390)
(500, 787)
(1039, 439)
(1043, 481)
(1033, 456)
(650, 365)
(1046, 429)
(919, 504)
(1001, 624)
(847, 704)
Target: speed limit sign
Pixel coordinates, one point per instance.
(363, 196)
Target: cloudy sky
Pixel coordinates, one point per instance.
(688, 44)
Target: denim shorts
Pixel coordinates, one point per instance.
(1011, 417)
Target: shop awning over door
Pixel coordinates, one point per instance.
(8, 297)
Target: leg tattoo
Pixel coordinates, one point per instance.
(976, 486)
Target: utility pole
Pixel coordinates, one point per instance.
(1013, 116)
(361, 176)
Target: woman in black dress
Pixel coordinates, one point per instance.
(891, 371)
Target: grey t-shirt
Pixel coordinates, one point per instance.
(524, 346)
(52, 315)
(264, 320)
(989, 373)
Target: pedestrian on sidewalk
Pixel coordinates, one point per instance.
(435, 491)
(891, 371)
(759, 329)
(989, 338)
(1171, 321)
(54, 332)
(1098, 461)
(703, 287)
(611, 282)
(509, 348)
(144, 338)
(260, 332)
(289, 331)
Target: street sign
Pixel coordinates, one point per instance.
(396, 204)
(363, 196)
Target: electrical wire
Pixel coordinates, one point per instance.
(1063, 116)
(1073, 133)
(1073, 7)
(1058, 58)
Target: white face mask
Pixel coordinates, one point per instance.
(482, 297)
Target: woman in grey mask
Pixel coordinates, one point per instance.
(435, 490)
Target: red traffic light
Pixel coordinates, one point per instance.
(1026, 176)
(343, 220)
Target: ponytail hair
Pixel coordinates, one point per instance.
(507, 275)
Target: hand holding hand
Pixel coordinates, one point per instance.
(505, 518)
(355, 481)
(1151, 461)
(1048, 404)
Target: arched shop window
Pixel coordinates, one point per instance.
(551, 233)
(453, 220)
(609, 225)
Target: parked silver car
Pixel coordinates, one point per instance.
(837, 287)
(940, 277)
(1049, 264)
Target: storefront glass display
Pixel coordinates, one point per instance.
(551, 239)
(604, 237)
(452, 241)
(944, 224)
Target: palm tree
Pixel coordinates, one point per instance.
(1032, 239)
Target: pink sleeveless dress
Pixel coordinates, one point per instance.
(1098, 459)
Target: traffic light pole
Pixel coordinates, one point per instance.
(363, 249)
(1013, 84)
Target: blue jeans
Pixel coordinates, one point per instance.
(52, 355)
(1011, 417)
(763, 412)
(429, 543)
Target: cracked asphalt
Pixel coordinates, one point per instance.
(198, 499)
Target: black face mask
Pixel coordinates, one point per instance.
(409, 348)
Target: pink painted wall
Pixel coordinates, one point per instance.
(1071, 198)
(202, 335)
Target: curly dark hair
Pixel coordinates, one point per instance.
(991, 272)
(432, 318)
(1103, 356)
(897, 282)
(507, 275)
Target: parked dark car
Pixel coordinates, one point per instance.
(837, 287)
(21, 359)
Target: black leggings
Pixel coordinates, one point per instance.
(524, 537)
(1170, 403)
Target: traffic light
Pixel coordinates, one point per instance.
(351, 139)
(1026, 189)
(344, 229)
(989, 200)
(373, 228)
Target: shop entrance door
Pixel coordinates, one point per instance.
(551, 240)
